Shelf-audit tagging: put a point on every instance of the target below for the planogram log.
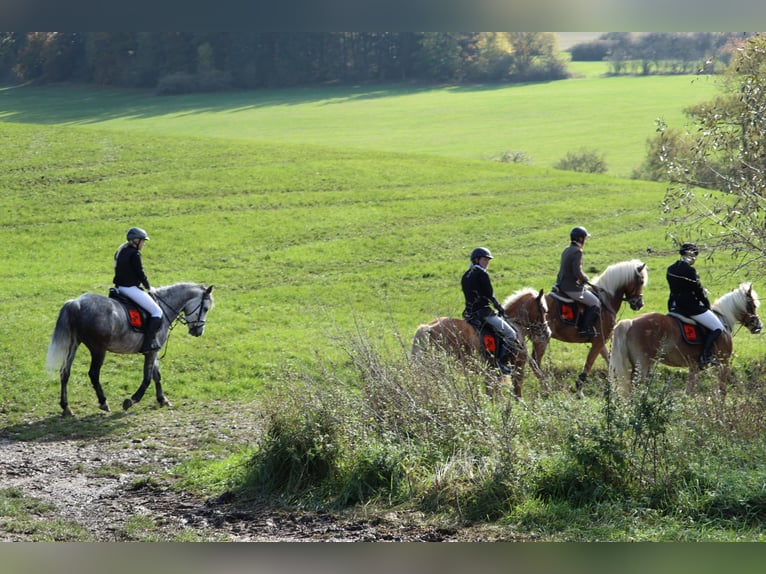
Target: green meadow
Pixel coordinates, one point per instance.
(321, 216)
(612, 115)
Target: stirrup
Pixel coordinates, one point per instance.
(706, 362)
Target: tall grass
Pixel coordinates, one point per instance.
(423, 435)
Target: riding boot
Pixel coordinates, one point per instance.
(706, 357)
(587, 330)
(506, 354)
(150, 337)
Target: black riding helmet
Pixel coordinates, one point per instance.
(480, 252)
(689, 249)
(578, 233)
(137, 233)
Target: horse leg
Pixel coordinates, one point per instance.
(538, 350)
(589, 360)
(96, 362)
(64, 373)
(692, 380)
(164, 402)
(149, 360)
(723, 376)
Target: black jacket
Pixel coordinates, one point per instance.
(571, 276)
(477, 289)
(128, 267)
(687, 296)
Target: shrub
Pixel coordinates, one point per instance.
(514, 156)
(584, 160)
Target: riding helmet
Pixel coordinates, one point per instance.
(578, 233)
(689, 249)
(480, 252)
(137, 233)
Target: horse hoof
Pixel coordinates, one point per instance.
(126, 404)
(165, 403)
(104, 407)
(67, 412)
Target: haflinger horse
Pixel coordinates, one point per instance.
(527, 312)
(101, 324)
(641, 343)
(619, 282)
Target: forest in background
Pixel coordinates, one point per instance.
(185, 62)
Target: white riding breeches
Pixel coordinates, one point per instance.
(141, 298)
(710, 320)
(590, 299)
(503, 328)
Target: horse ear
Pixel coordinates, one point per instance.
(541, 293)
(640, 269)
(210, 289)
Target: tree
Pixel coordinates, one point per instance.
(728, 158)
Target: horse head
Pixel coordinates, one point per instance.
(750, 317)
(626, 282)
(529, 309)
(634, 295)
(196, 308)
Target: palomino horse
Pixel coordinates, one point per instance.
(653, 338)
(620, 282)
(527, 312)
(100, 324)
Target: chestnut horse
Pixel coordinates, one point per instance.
(653, 338)
(620, 282)
(527, 312)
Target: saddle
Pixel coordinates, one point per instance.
(691, 331)
(135, 315)
(569, 310)
(490, 342)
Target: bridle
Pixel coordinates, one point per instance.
(179, 316)
(751, 320)
(538, 330)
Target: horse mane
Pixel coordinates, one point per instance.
(187, 285)
(523, 292)
(620, 275)
(734, 302)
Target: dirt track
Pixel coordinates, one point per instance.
(107, 485)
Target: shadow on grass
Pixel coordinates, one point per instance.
(56, 427)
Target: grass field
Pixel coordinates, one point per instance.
(313, 241)
(614, 116)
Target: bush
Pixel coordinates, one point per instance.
(584, 160)
(514, 156)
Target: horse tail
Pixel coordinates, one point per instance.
(620, 369)
(62, 341)
(421, 340)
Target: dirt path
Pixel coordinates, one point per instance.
(118, 490)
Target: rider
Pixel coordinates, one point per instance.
(688, 297)
(572, 281)
(129, 275)
(477, 288)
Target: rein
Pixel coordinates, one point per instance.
(178, 315)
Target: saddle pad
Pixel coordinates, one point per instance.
(692, 333)
(136, 316)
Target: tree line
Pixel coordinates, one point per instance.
(661, 52)
(177, 62)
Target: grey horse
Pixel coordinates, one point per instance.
(100, 323)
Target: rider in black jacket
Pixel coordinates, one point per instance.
(479, 295)
(129, 276)
(573, 281)
(688, 297)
